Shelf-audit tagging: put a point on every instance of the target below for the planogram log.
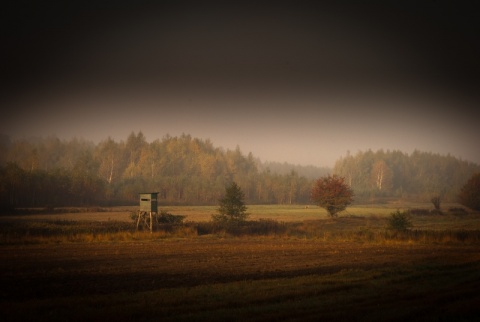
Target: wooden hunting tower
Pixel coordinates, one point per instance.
(148, 202)
(148, 209)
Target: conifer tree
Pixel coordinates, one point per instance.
(232, 206)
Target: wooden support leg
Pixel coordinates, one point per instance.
(138, 219)
(151, 223)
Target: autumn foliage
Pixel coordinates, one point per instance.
(470, 193)
(332, 193)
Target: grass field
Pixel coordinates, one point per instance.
(93, 266)
(286, 213)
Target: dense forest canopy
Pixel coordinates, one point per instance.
(50, 172)
(307, 171)
(184, 170)
(395, 174)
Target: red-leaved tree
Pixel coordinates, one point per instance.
(470, 193)
(332, 193)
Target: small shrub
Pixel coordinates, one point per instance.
(399, 221)
(206, 228)
(133, 216)
(264, 227)
(168, 218)
(436, 212)
(436, 202)
(457, 211)
(261, 227)
(162, 218)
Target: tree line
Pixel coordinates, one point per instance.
(394, 174)
(184, 170)
(49, 172)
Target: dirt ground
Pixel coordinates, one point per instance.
(57, 270)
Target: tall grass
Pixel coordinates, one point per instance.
(65, 231)
(365, 230)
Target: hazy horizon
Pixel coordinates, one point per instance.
(297, 83)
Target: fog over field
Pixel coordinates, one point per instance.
(297, 82)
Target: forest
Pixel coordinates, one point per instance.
(418, 176)
(49, 172)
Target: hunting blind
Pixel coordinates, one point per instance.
(148, 209)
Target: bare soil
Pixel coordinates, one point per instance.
(58, 270)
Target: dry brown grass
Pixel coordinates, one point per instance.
(366, 224)
(88, 266)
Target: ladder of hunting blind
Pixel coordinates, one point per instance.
(146, 218)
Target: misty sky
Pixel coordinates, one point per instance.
(299, 82)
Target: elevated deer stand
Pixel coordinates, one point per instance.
(146, 218)
(148, 208)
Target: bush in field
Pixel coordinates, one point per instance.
(399, 221)
(470, 193)
(436, 202)
(261, 227)
(332, 193)
(168, 218)
(457, 211)
(232, 206)
(163, 218)
(133, 216)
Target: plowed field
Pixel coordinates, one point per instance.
(35, 277)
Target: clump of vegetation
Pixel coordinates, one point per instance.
(167, 218)
(399, 221)
(332, 193)
(470, 193)
(232, 207)
(163, 218)
(436, 204)
(164, 221)
(352, 229)
(261, 227)
(457, 211)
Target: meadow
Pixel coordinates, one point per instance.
(291, 263)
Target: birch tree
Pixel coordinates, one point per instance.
(381, 176)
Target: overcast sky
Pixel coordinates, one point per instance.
(300, 82)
